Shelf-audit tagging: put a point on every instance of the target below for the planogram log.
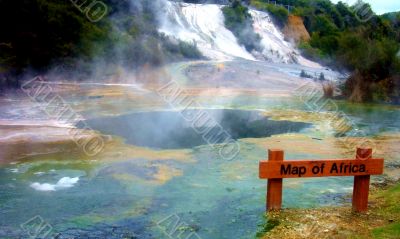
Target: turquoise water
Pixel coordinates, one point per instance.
(125, 193)
(213, 197)
(206, 197)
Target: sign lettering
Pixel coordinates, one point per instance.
(320, 168)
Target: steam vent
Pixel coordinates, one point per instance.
(200, 119)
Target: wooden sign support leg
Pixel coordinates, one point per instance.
(274, 188)
(361, 184)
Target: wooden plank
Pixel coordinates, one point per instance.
(361, 184)
(274, 187)
(320, 168)
(274, 194)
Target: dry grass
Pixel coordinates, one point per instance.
(329, 89)
(382, 220)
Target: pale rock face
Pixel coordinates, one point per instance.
(276, 49)
(203, 24)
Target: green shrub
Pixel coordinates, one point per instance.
(239, 21)
(321, 77)
(279, 14)
(189, 50)
(310, 52)
(304, 74)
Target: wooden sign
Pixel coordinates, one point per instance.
(275, 169)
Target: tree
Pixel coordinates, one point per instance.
(321, 77)
(239, 21)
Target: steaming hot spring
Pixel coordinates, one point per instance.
(162, 132)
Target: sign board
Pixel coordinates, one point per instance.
(275, 169)
(320, 168)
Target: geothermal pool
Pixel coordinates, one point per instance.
(170, 130)
(155, 171)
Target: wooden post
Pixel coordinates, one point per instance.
(274, 188)
(361, 184)
(275, 169)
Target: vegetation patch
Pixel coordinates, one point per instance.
(239, 21)
(391, 231)
(268, 226)
(342, 39)
(47, 33)
(279, 14)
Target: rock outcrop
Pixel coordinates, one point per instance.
(295, 30)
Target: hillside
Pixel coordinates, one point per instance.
(56, 35)
(342, 39)
(295, 30)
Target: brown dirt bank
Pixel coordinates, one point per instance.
(295, 29)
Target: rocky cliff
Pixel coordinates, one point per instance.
(295, 30)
